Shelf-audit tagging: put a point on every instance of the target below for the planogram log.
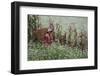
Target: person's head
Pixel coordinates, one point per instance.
(49, 30)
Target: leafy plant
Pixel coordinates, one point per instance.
(55, 51)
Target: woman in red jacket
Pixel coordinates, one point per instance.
(48, 38)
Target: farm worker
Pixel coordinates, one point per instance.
(48, 38)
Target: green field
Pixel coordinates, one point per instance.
(36, 51)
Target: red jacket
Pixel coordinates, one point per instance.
(48, 38)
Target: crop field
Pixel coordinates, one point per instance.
(57, 37)
(55, 51)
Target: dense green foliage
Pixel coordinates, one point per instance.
(38, 52)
